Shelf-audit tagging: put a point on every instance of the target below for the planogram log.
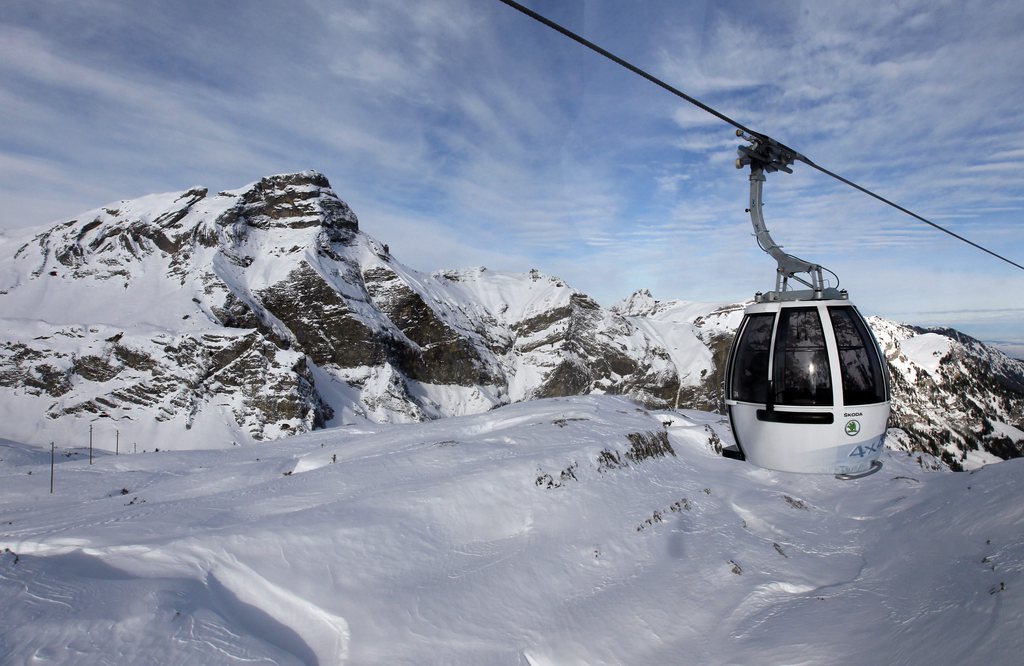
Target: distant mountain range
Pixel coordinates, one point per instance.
(1011, 349)
(187, 320)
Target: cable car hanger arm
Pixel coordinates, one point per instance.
(767, 155)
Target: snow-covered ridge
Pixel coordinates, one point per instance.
(188, 319)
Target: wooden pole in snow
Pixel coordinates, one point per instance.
(51, 466)
(90, 444)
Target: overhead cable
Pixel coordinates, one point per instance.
(721, 116)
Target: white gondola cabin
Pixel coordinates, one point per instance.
(806, 388)
(806, 385)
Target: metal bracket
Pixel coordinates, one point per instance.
(767, 155)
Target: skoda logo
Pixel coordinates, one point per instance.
(852, 427)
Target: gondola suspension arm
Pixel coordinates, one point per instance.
(765, 155)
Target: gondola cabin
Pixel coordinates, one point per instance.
(806, 387)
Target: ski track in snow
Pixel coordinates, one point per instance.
(502, 538)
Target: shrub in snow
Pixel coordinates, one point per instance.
(648, 445)
(548, 481)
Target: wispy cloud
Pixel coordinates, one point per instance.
(460, 129)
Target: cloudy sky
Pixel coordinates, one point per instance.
(462, 133)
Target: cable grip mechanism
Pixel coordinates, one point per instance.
(766, 153)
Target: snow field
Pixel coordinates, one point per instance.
(523, 535)
(927, 350)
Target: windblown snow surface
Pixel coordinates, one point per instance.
(565, 531)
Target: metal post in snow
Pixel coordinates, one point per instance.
(52, 447)
(90, 444)
(117, 441)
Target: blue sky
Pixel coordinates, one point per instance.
(463, 133)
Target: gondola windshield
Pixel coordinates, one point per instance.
(749, 381)
(801, 373)
(859, 363)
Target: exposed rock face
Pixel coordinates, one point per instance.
(439, 354)
(183, 319)
(95, 372)
(321, 322)
(614, 357)
(142, 313)
(293, 201)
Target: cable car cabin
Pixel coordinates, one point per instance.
(806, 388)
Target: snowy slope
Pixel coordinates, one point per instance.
(926, 351)
(577, 530)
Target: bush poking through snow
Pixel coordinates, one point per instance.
(648, 445)
(795, 503)
(657, 517)
(714, 441)
(643, 445)
(608, 460)
(548, 481)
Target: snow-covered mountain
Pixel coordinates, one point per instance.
(580, 530)
(185, 319)
(265, 311)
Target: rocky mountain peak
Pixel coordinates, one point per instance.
(639, 304)
(294, 201)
